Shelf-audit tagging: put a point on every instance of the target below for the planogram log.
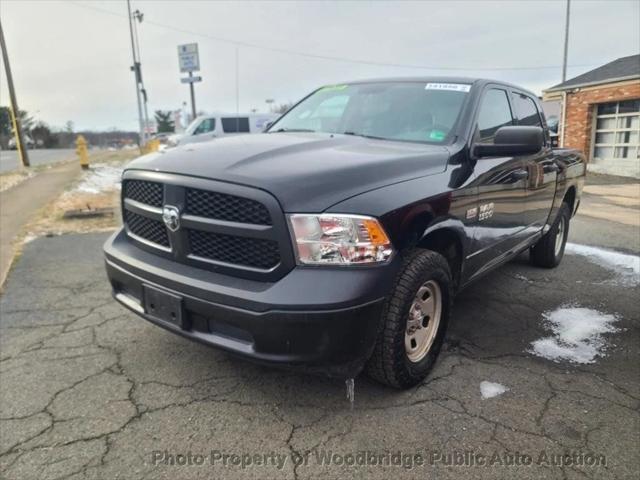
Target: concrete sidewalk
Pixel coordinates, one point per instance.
(20, 203)
(614, 202)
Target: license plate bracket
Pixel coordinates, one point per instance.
(164, 306)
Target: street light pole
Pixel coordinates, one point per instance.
(136, 69)
(15, 113)
(270, 101)
(237, 88)
(566, 42)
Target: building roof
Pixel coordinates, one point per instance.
(625, 68)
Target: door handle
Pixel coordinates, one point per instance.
(520, 174)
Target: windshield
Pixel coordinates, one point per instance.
(408, 111)
(201, 125)
(192, 126)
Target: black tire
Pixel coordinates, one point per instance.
(544, 253)
(389, 364)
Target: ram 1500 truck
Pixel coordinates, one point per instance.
(336, 241)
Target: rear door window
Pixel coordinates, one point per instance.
(526, 110)
(235, 125)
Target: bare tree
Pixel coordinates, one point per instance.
(283, 107)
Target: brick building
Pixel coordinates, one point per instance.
(600, 115)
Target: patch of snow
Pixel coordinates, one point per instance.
(13, 179)
(522, 278)
(101, 178)
(626, 267)
(29, 238)
(490, 389)
(577, 334)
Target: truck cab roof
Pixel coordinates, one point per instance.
(474, 81)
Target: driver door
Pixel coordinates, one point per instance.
(543, 171)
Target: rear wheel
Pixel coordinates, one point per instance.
(414, 321)
(549, 250)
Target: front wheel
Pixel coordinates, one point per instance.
(414, 321)
(548, 251)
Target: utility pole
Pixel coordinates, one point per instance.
(138, 15)
(15, 113)
(566, 42)
(136, 69)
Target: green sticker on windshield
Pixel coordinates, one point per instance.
(437, 135)
(333, 88)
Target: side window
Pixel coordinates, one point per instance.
(235, 125)
(207, 125)
(526, 110)
(494, 113)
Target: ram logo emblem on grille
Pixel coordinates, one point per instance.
(171, 217)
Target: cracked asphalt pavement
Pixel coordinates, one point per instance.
(90, 391)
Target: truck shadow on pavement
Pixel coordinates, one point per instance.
(88, 390)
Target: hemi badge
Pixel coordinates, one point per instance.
(471, 213)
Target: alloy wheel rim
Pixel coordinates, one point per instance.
(423, 321)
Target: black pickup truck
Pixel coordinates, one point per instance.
(336, 240)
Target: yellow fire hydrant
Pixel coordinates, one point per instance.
(82, 151)
(151, 146)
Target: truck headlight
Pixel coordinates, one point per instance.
(332, 239)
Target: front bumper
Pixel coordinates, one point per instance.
(321, 320)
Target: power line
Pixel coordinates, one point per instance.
(240, 43)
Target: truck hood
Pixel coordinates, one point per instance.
(306, 172)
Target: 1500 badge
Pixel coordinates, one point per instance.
(486, 211)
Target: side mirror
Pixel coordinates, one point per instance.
(512, 141)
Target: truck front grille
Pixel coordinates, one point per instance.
(222, 227)
(252, 252)
(226, 207)
(146, 228)
(149, 193)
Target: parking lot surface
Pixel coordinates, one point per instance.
(90, 391)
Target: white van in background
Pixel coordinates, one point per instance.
(208, 127)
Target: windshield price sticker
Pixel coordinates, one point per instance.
(333, 88)
(454, 87)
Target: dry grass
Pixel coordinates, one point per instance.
(51, 219)
(106, 156)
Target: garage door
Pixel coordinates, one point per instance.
(617, 133)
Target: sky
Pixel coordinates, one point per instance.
(71, 59)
